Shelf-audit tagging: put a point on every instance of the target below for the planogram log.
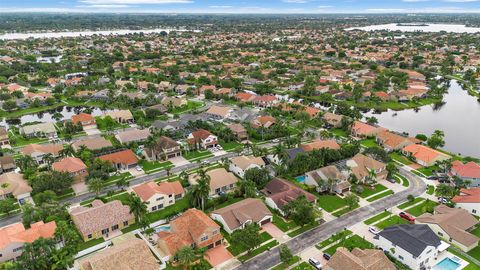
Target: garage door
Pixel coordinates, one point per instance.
(266, 221)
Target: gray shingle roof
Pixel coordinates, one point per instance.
(413, 238)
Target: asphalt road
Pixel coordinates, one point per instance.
(303, 241)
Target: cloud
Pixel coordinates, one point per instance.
(460, 1)
(104, 6)
(220, 6)
(296, 1)
(130, 2)
(414, 1)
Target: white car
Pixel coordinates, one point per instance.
(138, 168)
(442, 200)
(315, 263)
(373, 230)
(275, 140)
(219, 147)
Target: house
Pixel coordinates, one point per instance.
(125, 254)
(12, 184)
(202, 139)
(245, 97)
(279, 192)
(320, 178)
(192, 228)
(468, 199)
(332, 120)
(365, 168)
(265, 101)
(121, 116)
(39, 130)
(469, 171)
(92, 144)
(239, 165)
(216, 112)
(173, 102)
(320, 144)
(73, 166)
(363, 130)
(38, 151)
(391, 141)
(158, 196)
(239, 131)
(133, 135)
(358, 259)
(84, 119)
(221, 181)
(263, 122)
(424, 155)
(122, 160)
(7, 163)
(414, 245)
(4, 140)
(163, 149)
(453, 225)
(102, 219)
(238, 215)
(15, 236)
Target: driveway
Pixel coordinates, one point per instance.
(306, 240)
(275, 232)
(179, 161)
(312, 252)
(217, 255)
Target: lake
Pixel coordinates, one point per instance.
(458, 117)
(12, 36)
(432, 27)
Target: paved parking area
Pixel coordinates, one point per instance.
(312, 252)
(217, 255)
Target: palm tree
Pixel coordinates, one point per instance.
(67, 151)
(186, 256)
(247, 188)
(280, 152)
(96, 186)
(26, 162)
(372, 176)
(49, 159)
(203, 187)
(331, 183)
(137, 207)
(122, 182)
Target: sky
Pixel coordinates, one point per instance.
(242, 6)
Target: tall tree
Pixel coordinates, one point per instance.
(248, 238)
(96, 186)
(186, 256)
(137, 207)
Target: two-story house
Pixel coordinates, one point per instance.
(414, 245)
(239, 165)
(202, 139)
(221, 181)
(39, 151)
(193, 228)
(367, 169)
(163, 149)
(158, 196)
(101, 219)
(4, 140)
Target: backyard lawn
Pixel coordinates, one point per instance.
(350, 243)
(191, 105)
(339, 132)
(331, 203)
(475, 252)
(393, 220)
(369, 143)
(400, 158)
(89, 244)
(422, 208)
(367, 191)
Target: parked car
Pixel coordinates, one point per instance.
(219, 147)
(442, 200)
(315, 263)
(407, 217)
(373, 230)
(138, 168)
(391, 180)
(275, 140)
(327, 256)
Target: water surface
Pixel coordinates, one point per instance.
(431, 27)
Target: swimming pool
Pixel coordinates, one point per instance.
(300, 178)
(162, 228)
(446, 264)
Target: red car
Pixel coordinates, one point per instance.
(406, 216)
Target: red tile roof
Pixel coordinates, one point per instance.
(467, 170)
(147, 190)
(126, 157)
(471, 195)
(69, 164)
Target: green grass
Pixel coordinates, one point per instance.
(475, 252)
(369, 143)
(303, 266)
(428, 171)
(378, 217)
(285, 265)
(430, 189)
(259, 250)
(197, 155)
(345, 210)
(400, 158)
(476, 231)
(191, 105)
(403, 179)
(350, 243)
(408, 203)
(154, 166)
(230, 146)
(91, 243)
(333, 239)
(179, 206)
(331, 203)
(339, 132)
(421, 208)
(115, 178)
(369, 192)
(283, 225)
(101, 124)
(393, 220)
(470, 266)
(236, 250)
(381, 195)
(303, 229)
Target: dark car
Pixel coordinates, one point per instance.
(327, 256)
(407, 217)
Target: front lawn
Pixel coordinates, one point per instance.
(422, 208)
(283, 225)
(476, 231)
(285, 265)
(259, 250)
(379, 196)
(230, 146)
(235, 249)
(303, 266)
(428, 171)
(333, 239)
(393, 220)
(303, 229)
(367, 191)
(191, 105)
(339, 132)
(331, 203)
(345, 210)
(350, 243)
(154, 166)
(408, 203)
(197, 155)
(431, 189)
(378, 217)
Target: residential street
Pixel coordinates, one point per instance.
(271, 258)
